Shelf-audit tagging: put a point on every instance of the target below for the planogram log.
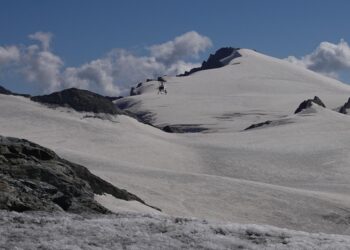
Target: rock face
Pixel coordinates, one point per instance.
(345, 107)
(132, 91)
(5, 91)
(217, 60)
(258, 125)
(35, 178)
(307, 104)
(80, 100)
(184, 128)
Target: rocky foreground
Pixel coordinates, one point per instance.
(34, 178)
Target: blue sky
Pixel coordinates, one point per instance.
(84, 31)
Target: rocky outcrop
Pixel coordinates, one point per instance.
(132, 91)
(79, 100)
(217, 60)
(344, 109)
(35, 178)
(258, 125)
(184, 128)
(308, 103)
(5, 91)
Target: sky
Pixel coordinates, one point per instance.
(107, 46)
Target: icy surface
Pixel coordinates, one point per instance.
(145, 231)
(293, 173)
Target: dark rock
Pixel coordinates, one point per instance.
(257, 125)
(345, 107)
(35, 178)
(79, 100)
(5, 91)
(132, 91)
(149, 80)
(113, 98)
(216, 60)
(161, 79)
(184, 128)
(269, 123)
(308, 103)
(139, 85)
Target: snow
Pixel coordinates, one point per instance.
(293, 173)
(146, 231)
(253, 88)
(117, 205)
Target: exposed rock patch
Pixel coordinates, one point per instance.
(258, 125)
(308, 103)
(219, 59)
(269, 123)
(79, 100)
(344, 109)
(184, 128)
(35, 178)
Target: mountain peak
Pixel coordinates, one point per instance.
(220, 58)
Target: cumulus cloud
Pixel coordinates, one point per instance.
(9, 54)
(111, 74)
(42, 67)
(328, 58)
(43, 37)
(187, 45)
(95, 75)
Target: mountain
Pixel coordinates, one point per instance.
(249, 89)
(79, 100)
(290, 172)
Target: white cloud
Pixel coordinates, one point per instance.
(41, 67)
(9, 54)
(115, 72)
(111, 74)
(95, 75)
(187, 45)
(43, 37)
(327, 58)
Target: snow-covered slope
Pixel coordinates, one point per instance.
(251, 88)
(293, 172)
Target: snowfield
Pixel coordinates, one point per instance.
(293, 173)
(145, 231)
